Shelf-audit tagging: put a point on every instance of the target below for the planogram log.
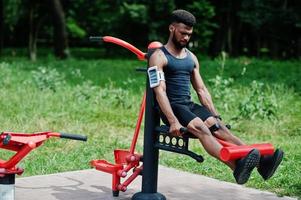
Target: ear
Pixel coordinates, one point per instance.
(171, 28)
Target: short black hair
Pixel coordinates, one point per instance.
(183, 16)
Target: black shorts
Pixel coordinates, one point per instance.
(187, 112)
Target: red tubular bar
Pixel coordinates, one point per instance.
(123, 172)
(115, 181)
(105, 166)
(225, 144)
(123, 186)
(140, 54)
(22, 144)
(138, 124)
(19, 156)
(236, 152)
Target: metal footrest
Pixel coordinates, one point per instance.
(167, 142)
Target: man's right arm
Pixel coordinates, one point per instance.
(158, 59)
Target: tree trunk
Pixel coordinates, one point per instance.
(298, 53)
(59, 29)
(217, 43)
(229, 27)
(237, 46)
(32, 46)
(1, 25)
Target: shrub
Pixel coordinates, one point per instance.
(45, 78)
(258, 103)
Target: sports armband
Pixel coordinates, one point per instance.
(155, 76)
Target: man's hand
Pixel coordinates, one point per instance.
(175, 129)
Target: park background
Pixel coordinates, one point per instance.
(53, 78)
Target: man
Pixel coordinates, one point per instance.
(181, 67)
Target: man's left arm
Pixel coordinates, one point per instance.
(200, 88)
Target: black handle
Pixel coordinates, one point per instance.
(141, 69)
(183, 130)
(95, 38)
(165, 129)
(73, 136)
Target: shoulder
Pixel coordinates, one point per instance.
(158, 57)
(194, 58)
(158, 53)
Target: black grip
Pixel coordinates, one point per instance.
(95, 38)
(183, 130)
(141, 69)
(73, 136)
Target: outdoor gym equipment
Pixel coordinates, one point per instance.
(156, 137)
(22, 144)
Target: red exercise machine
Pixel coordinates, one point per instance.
(22, 144)
(156, 137)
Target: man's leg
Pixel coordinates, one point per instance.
(267, 165)
(242, 169)
(200, 130)
(223, 132)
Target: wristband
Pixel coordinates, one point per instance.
(218, 117)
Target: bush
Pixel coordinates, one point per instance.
(45, 78)
(258, 103)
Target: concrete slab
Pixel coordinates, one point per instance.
(95, 185)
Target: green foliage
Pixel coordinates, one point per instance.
(158, 21)
(257, 14)
(267, 28)
(137, 13)
(262, 13)
(259, 100)
(74, 29)
(45, 78)
(204, 29)
(13, 12)
(222, 91)
(85, 91)
(258, 103)
(5, 75)
(88, 103)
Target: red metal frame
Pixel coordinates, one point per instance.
(110, 39)
(22, 144)
(125, 160)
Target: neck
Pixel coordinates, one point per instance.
(177, 52)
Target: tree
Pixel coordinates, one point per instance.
(1, 25)
(60, 37)
(205, 26)
(35, 22)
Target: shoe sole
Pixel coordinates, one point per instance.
(251, 162)
(275, 166)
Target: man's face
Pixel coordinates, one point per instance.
(181, 34)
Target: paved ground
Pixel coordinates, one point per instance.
(95, 185)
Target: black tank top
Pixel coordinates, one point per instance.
(177, 75)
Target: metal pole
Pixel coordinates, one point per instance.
(7, 187)
(150, 153)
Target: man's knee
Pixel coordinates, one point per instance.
(217, 128)
(198, 127)
(213, 124)
(210, 121)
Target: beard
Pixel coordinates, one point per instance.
(177, 44)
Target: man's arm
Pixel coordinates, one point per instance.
(200, 88)
(158, 59)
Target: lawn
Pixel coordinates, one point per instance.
(100, 98)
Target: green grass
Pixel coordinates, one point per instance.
(100, 98)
